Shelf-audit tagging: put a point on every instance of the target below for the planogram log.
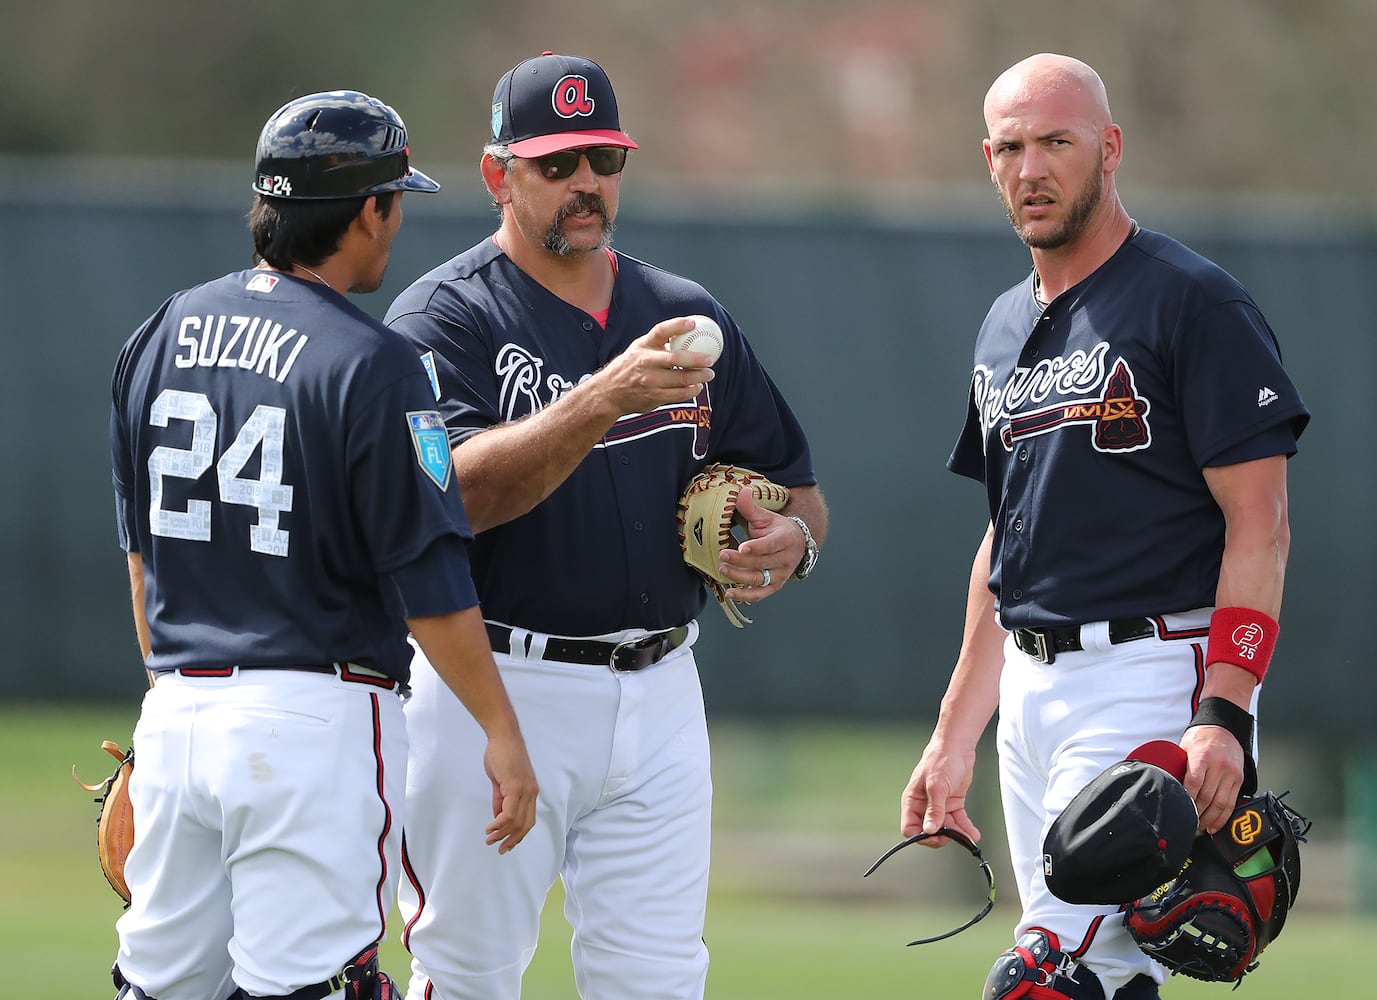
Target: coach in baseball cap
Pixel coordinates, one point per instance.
(552, 103)
(579, 428)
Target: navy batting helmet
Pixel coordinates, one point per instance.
(339, 144)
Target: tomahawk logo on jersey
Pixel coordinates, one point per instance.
(1111, 404)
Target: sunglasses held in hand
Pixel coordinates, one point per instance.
(605, 161)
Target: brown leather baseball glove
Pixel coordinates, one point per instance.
(115, 823)
(707, 514)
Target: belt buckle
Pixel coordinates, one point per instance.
(631, 646)
(656, 641)
(1040, 651)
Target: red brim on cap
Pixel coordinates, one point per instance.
(542, 144)
(1164, 754)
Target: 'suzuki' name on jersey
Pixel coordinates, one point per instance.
(247, 342)
(1074, 375)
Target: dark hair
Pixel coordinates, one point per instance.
(290, 231)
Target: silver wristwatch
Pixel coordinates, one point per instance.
(810, 550)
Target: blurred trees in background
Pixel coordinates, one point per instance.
(825, 101)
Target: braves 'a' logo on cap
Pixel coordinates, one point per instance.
(570, 97)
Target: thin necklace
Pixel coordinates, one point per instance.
(316, 276)
(1037, 278)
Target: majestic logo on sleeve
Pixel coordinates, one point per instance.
(570, 97)
(523, 389)
(1081, 393)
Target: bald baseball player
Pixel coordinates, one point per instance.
(575, 431)
(1130, 421)
(288, 503)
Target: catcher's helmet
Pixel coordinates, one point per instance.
(339, 144)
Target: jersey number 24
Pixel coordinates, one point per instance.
(264, 429)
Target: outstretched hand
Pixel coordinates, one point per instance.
(647, 375)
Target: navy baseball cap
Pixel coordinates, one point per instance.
(1124, 834)
(553, 102)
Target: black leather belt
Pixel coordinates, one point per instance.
(634, 654)
(1043, 644)
(345, 671)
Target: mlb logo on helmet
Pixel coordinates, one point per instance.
(554, 102)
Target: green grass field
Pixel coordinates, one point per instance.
(801, 812)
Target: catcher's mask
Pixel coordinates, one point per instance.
(969, 845)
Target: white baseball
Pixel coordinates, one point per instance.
(704, 338)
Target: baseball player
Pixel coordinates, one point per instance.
(575, 430)
(1131, 422)
(285, 494)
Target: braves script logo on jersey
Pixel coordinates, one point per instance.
(1082, 393)
(570, 97)
(523, 389)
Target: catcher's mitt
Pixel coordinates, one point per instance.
(115, 823)
(707, 512)
(1230, 901)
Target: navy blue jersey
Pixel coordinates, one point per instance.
(278, 459)
(601, 553)
(1090, 422)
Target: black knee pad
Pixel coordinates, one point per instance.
(1035, 968)
(1138, 988)
(127, 990)
(360, 979)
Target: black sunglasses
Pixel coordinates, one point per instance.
(968, 844)
(605, 161)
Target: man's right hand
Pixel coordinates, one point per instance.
(936, 795)
(647, 375)
(514, 790)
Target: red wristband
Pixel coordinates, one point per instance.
(1243, 637)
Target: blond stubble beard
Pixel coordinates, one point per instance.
(1081, 211)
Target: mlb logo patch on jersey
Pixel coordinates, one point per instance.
(432, 445)
(262, 282)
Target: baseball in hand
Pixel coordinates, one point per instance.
(704, 338)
